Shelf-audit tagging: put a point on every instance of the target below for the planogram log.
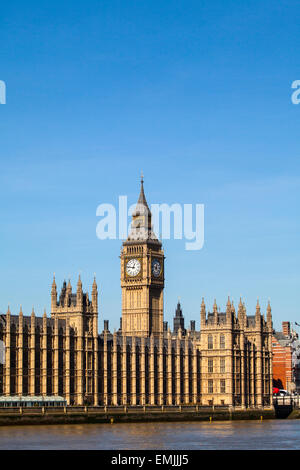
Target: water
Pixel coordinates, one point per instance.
(272, 434)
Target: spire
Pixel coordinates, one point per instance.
(240, 311)
(95, 287)
(203, 313)
(8, 311)
(269, 315)
(79, 286)
(141, 227)
(32, 312)
(53, 283)
(142, 198)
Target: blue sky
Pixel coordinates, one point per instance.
(197, 94)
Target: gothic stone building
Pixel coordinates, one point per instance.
(227, 362)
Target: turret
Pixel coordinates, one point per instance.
(68, 294)
(95, 296)
(215, 310)
(241, 315)
(269, 316)
(228, 311)
(79, 294)
(53, 295)
(202, 314)
(258, 315)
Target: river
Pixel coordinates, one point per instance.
(268, 434)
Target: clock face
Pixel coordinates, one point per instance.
(133, 267)
(156, 268)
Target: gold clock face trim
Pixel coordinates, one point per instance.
(133, 267)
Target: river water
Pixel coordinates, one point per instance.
(269, 434)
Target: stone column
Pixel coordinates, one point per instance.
(96, 370)
(44, 357)
(152, 372)
(32, 356)
(186, 376)
(133, 371)
(124, 370)
(79, 367)
(270, 366)
(105, 368)
(161, 371)
(20, 356)
(115, 371)
(67, 364)
(169, 371)
(178, 373)
(259, 398)
(143, 372)
(229, 367)
(194, 374)
(252, 374)
(7, 354)
(55, 365)
(242, 348)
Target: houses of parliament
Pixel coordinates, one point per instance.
(227, 362)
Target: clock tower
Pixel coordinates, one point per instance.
(142, 275)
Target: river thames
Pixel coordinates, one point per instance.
(263, 435)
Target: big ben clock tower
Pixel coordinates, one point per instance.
(142, 275)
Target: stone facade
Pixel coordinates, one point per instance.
(227, 362)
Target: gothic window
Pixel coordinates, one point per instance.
(210, 342)
(210, 365)
(210, 386)
(222, 365)
(222, 342)
(222, 386)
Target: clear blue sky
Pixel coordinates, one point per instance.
(197, 94)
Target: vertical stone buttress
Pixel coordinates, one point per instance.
(115, 370)
(143, 372)
(32, 355)
(7, 353)
(258, 344)
(124, 370)
(178, 369)
(160, 363)
(133, 371)
(44, 357)
(169, 370)
(186, 376)
(152, 372)
(20, 355)
(105, 368)
(55, 358)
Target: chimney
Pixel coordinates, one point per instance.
(106, 328)
(286, 328)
